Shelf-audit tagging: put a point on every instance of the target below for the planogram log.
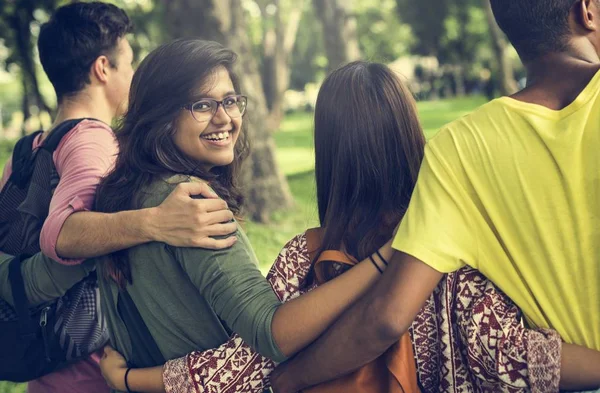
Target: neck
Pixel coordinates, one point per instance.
(550, 66)
(84, 105)
(556, 79)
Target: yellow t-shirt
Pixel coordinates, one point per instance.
(513, 190)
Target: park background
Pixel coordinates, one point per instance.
(450, 52)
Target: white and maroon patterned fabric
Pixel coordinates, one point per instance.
(468, 338)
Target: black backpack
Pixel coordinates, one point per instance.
(36, 342)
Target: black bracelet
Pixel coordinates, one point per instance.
(375, 264)
(382, 258)
(126, 384)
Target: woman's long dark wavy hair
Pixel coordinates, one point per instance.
(165, 81)
(369, 145)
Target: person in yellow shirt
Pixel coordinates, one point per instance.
(512, 190)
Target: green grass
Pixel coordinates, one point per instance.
(9, 387)
(296, 159)
(435, 114)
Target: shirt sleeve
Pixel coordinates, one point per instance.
(44, 279)
(436, 226)
(83, 157)
(234, 287)
(511, 355)
(243, 368)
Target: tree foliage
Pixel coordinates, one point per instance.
(459, 34)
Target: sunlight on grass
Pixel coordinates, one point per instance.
(295, 160)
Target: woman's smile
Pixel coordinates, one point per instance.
(218, 138)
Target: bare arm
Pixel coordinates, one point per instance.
(580, 368)
(179, 221)
(299, 322)
(286, 277)
(72, 232)
(366, 330)
(240, 365)
(114, 366)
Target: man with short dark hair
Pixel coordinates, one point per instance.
(513, 190)
(85, 53)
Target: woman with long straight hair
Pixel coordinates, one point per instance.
(369, 146)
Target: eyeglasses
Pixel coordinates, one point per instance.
(205, 109)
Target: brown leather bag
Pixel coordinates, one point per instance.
(393, 372)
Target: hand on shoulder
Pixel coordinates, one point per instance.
(184, 221)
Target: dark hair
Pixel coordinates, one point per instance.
(74, 37)
(165, 81)
(368, 147)
(534, 27)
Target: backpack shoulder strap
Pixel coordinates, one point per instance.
(55, 136)
(145, 351)
(313, 241)
(22, 154)
(314, 237)
(23, 149)
(21, 304)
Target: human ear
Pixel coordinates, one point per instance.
(587, 14)
(100, 69)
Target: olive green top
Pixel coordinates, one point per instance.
(44, 279)
(193, 298)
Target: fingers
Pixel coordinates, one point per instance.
(108, 349)
(218, 217)
(221, 229)
(218, 244)
(211, 205)
(196, 188)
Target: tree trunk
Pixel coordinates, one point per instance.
(506, 80)
(339, 31)
(224, 21)
(20, 22)
(278, 45)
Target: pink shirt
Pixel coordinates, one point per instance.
(82, 158)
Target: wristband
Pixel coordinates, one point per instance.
(382, 258)
(126, 384)
(375, 264)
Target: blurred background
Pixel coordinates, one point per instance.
(451, 52)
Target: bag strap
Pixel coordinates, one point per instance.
(145, 351)
(314, 238)
(21, 172)
(313, 241)
(23, 156)
(57, 133)
(21, 304)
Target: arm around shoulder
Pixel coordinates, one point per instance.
(365, 330)
(179, 220)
